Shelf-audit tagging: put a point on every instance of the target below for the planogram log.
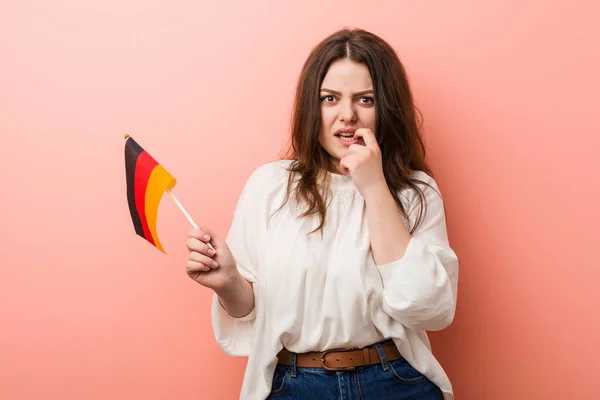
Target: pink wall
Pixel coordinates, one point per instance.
(89, 310)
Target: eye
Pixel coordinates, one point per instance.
(368, 100)
(328, 98)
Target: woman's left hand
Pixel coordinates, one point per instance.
(363, 163)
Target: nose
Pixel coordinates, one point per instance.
(347, 111)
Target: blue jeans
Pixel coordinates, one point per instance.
(389, 380)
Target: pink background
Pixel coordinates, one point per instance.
(88, 310)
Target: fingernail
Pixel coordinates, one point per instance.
(206, 237)
(211, 252)
(215, 264)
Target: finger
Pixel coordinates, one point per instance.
(210, 237)
(353, 149)
(194, 266)
(345, 165)
(358, 149)
(200, 247)
(201, 258)
(368, 136)
(215, 240)
(205, 235)
(200, 234)
(197, 245)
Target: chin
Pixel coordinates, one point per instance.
(334, 149)
(336, 152)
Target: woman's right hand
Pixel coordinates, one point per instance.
(215, 271)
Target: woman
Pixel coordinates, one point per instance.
(337, 260)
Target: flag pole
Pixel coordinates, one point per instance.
(187, 215)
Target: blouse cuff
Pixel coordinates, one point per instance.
(388, 270)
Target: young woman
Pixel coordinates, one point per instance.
(337, 260)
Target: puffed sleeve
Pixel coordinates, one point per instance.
(245, 233)
(419, 289)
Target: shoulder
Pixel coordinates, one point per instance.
(268, 177)
(425, 198)
(424, 182)
(269, 173)
(271, 170)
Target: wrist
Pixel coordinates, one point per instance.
(237, 297)
(230, 286)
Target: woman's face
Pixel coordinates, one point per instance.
(347, 103)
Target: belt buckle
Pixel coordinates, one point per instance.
(335, 368)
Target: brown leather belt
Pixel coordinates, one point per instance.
(341, 360)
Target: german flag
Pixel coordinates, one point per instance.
(147, 180)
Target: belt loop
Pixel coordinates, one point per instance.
(293, 365)
(383, 358)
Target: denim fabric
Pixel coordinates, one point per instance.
(389, 380)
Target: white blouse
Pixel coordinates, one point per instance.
(319, 292)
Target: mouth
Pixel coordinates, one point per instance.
(346, 134)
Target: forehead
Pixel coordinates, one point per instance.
(347, 76)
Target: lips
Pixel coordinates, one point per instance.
(346, 136)
(345, 132)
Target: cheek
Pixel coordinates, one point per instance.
(327, 117)
(367, 118)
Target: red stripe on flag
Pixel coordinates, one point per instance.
(144, 166)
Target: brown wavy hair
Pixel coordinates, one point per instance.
(397, 126)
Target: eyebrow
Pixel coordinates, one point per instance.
(339, 94)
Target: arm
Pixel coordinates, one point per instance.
(237, 298)
(234, 306)
(419, 272)
(389, 236)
